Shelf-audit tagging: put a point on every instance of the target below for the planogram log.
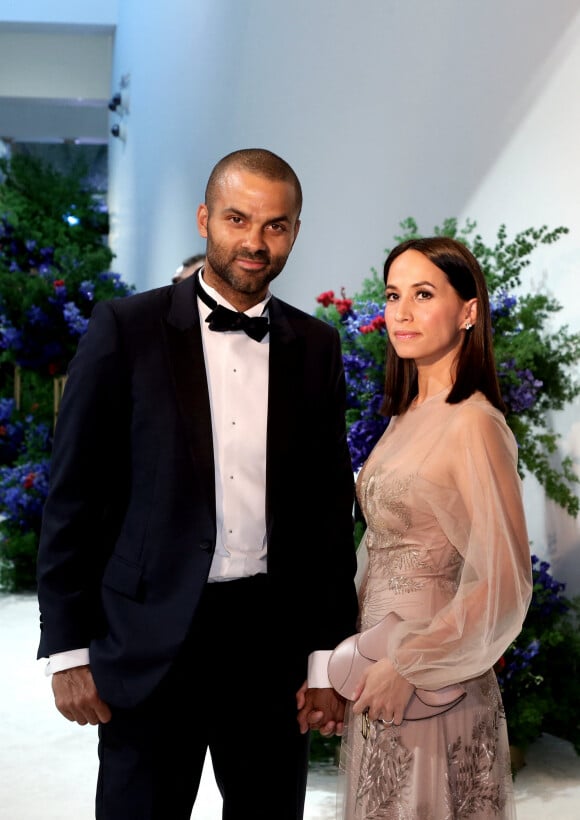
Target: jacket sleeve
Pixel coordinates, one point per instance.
(85, 489)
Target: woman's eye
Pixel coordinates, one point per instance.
(391, 297)
(424, 294)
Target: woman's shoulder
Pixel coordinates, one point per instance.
(479, 406)
(477, 417)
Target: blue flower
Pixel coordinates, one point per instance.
(76, 322)
(87, 290)
(23, 491)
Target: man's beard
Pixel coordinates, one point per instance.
(221, 262)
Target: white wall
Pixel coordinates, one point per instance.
(534, 179)
(60, 58)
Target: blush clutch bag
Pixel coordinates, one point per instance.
(355, 654)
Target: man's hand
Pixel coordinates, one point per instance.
(321, 709)
(76, 697)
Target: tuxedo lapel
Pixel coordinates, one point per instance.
(285, 390)
(186, 361)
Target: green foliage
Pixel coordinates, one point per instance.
(539, 674)
(54, 263)
(18, 560)
(37, 199)
(54, 267)
(324, 750)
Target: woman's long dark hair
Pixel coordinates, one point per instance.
(475, 363)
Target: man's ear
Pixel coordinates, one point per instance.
(202, 216)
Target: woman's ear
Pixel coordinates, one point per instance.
(470, 314)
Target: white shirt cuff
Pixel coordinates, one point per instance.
(318, 669)
(66, 660)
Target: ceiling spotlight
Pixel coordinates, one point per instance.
(116, 131)
(115, 102)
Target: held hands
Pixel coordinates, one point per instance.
(383, 692)
(321, 709)
(76, 697)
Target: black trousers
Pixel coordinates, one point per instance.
(232, 690)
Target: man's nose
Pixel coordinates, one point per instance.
(254, 238)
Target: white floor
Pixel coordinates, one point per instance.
(48, 766)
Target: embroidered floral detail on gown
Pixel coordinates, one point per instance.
(447, 549)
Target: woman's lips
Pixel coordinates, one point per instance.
(405, 335)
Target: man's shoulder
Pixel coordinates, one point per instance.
(147, 300)
(300, 319)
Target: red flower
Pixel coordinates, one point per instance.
(2, 430)
(29, 481)
(378, 323)
(58, 283)
(52, 368)
(326, 298)
(343, 305)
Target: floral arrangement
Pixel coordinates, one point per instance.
(539, 674)
(534, 364)
(54, 267)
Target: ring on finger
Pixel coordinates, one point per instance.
(387, 722)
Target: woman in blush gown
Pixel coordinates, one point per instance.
(446, 548)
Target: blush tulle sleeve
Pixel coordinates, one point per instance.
(477, 502)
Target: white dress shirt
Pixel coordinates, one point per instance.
(237, 374)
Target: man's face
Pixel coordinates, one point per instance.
(250, 227)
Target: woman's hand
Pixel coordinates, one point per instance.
(384, 692)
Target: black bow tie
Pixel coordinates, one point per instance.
(221, 318)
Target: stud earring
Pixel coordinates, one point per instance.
(468, 325)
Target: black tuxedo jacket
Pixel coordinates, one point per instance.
(129, 523)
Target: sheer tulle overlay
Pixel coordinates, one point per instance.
(446, 547)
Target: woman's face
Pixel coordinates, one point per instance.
(424, 314)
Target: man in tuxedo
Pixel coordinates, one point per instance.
(196, 561)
